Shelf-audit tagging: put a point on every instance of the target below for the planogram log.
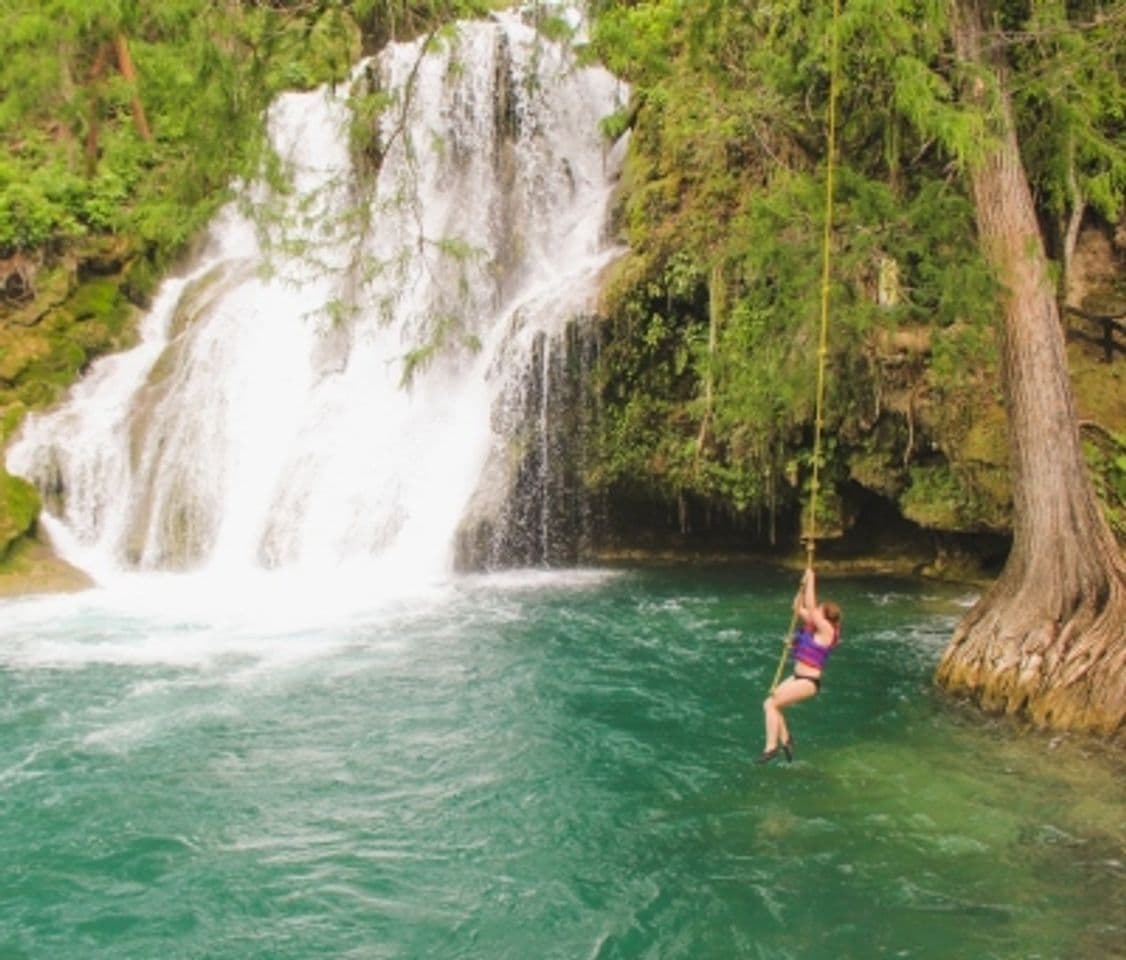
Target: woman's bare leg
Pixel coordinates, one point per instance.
(789, 691)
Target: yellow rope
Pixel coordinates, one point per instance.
(823, 338)
(826, 242)
(786, 641)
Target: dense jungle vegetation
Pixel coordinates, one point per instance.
(125, 124)
(713, 352)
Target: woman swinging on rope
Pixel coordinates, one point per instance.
(813, 641)
(820, 628)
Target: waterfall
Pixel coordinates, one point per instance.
(538, 512)
(335, 378)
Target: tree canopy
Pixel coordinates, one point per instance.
(76, 161)
(708, 379)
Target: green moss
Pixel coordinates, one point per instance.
(932, 498)
(986, 441)
(11, 413)
(52, 287)
(140, 280)
(1100, 387)
(965, 500)
(1106, 459)
(94, 298)
(58, 368)
(31, 567)
(36, 394)
(19, 506)
(41, 362)
(19, 350)
(99, 301)
(879, 471)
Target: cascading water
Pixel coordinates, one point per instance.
(539, 512)
(325, 385)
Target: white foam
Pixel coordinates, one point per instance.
(243, 628)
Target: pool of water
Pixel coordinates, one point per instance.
(533, 765)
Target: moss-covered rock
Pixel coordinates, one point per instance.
(879, 471)
(52, 287)
(32, 567)
(19, 506)
(986, 441)
(11, 413)
(105, 254)
(97, 315)
(46, 343)
(19, 350)
(940, 497)
(139, 281)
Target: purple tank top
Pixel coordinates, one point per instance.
(809, 651)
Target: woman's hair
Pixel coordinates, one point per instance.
(832, 612)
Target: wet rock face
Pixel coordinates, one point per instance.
(17, 280)
(532, 507)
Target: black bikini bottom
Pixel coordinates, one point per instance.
(816, 681)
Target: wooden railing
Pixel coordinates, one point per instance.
(1112, 331)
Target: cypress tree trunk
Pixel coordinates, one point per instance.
(1048, 640)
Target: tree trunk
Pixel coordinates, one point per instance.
(1074, 223)
(125, 65)
(1048, 639)
(715, 304)
(94, 112)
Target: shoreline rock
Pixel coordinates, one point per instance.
(33, 568)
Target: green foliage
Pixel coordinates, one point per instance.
(1070, 61)
(724, 210)
(366, 106)
(638, 42)
(383, 20)
(556, 28)
(445, 332)
(1106, 458)
(615, 124)
(205, 74)
(941, 496)
(724, 186)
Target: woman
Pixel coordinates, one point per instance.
(814, 640)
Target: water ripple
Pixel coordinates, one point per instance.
(539, 766)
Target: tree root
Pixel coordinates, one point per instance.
(1061, 666)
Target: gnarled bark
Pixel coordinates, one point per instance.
(1048, 640)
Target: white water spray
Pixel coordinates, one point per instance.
(318, 392)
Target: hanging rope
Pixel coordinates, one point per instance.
(810, 535)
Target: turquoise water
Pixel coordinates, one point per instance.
(529, 766)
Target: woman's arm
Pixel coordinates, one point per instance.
(811, 611)
(806, 601)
